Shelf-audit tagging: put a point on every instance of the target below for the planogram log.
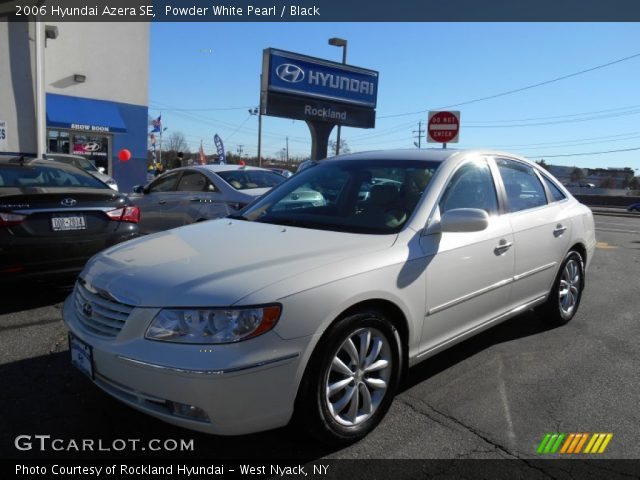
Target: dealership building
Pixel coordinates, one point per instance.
(96, 78)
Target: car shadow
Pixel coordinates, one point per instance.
(27, 296)
(47, 396)
(520, 326)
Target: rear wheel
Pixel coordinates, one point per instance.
(351, 379)
(566, 293)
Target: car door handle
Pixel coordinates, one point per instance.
(194, 199)
(560, 229)
(502, 247)
(161, 202)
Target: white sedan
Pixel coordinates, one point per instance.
(239, 324)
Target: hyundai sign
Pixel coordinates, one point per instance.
(313, 89)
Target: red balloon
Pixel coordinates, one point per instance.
(124, 155)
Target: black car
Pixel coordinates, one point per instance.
(634, 207)
(53, 217)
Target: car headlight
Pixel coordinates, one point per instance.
(212, 325)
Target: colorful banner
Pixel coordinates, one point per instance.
(220, 147)
(203, 157)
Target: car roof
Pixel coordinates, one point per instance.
(64, 155)
(427, 154)
(27, 162)
(224, 168)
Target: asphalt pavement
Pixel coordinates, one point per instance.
(493, 396)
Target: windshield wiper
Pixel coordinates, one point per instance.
(237, 217)
(291, 222)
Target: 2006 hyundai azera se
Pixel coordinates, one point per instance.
(315, 309)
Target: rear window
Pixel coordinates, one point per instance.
(82, 163)
(248, 179)
(45, 176)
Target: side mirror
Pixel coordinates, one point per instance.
(461, 220)
(138, 189)
(101, 169)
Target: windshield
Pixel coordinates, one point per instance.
(248, 179)
(357, 196)
(45, 176)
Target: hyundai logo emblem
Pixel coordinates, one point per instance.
(87, 309)
(290, 73)
(68, 202)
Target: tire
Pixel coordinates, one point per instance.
(361, 394)
(566, 293)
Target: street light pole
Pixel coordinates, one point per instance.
(339, 42)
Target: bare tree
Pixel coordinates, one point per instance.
(176, 142)
(172, 145)
(344, 148)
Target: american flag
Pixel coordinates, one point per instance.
(157, 124)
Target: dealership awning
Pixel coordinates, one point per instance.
(84, 114)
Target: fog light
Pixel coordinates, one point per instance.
(188, 411)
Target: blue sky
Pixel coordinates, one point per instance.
(205, 76)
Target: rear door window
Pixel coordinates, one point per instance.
(522, 186)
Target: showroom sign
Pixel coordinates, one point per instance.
(89, 128)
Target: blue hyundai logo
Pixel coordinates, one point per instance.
(68, 202)
(87, 309)
(290, 73)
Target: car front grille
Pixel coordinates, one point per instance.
(99, 314)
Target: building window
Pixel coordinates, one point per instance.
(58, 141)
(93, 147)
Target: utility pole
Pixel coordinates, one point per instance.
(287, 150)
(419, 132)
(239, 150)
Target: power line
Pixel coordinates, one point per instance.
(585, 153)
(521, 89)
(609, 110)
(217, 109)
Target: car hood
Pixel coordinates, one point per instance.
(217, 263)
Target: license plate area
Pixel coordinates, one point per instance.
(65, 223)
(81, 355)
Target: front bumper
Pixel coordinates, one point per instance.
(242, 388)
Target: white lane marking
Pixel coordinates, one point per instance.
(507, 412)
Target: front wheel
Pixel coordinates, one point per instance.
(566, 293)
(351, 379)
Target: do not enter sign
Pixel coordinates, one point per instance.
(443, 127)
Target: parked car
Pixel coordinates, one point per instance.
(239, 324)
(282, 171)
(635, 207)
(86, 165)
(54, 216)
(192, 194)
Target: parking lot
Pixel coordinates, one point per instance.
(493, 396)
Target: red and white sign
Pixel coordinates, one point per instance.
(443, 127)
